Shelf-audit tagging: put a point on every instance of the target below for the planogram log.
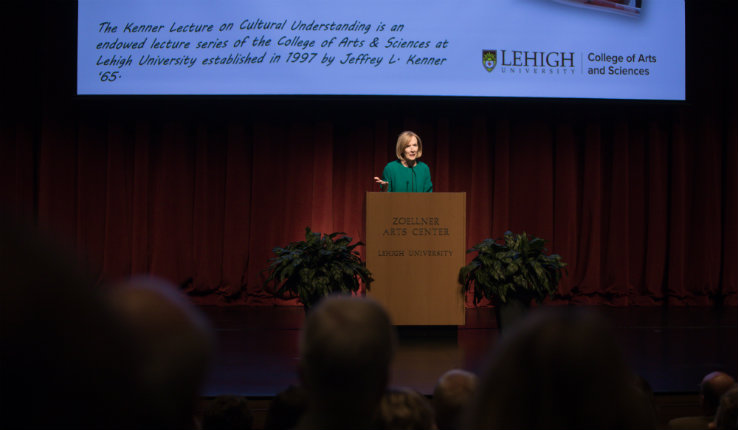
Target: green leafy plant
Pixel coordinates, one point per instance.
(318, 266)
(515, 266)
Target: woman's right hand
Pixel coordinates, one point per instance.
(381, 183)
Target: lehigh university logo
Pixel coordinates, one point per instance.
(489, 59)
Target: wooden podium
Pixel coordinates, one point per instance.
(415, 246)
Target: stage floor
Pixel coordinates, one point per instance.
(673, 348)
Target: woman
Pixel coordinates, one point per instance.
(406, 174)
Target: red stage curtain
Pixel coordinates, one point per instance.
(640, 199)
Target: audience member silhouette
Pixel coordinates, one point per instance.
(726, 417)
(404, 409)
(286, 409)
(559, 368)
(64, 359)
(453, 392)
(346, 347)
(713, 386)
(173, 348)
(227, 412)
(649, 398)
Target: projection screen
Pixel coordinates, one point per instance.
(611, 49)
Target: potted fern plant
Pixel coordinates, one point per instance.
(318, 266)
(511, 272)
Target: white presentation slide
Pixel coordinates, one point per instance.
(610, 49)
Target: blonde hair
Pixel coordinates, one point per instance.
(403, 141)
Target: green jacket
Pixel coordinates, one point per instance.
(407, 180)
